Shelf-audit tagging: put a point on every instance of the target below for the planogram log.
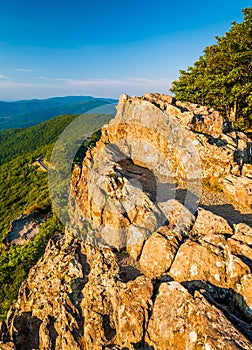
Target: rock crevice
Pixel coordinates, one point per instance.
(141, 266)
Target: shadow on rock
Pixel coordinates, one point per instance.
(228, 212)
(231, 303)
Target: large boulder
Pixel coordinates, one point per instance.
(182, 321)
(159, 252)
(239, 188)
(207, 223)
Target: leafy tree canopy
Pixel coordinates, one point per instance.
(222, 76)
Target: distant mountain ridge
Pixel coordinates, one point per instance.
(26, 113)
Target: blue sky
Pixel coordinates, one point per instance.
(104, 47)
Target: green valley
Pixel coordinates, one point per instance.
(24, 189)
(23, 114)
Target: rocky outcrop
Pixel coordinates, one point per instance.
(84, 297)
(180, 320)
(153, 144)
(24, 228)
(140, 265)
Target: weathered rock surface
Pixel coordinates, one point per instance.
(24, 228)
(243, 233)
(207, 223)
(140, 267)
(238, 188)
(76, 297)
(7, 346)
(180, 320)
(159, 252)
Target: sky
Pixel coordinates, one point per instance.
(104, 48)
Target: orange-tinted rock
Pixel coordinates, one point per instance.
(181, 321)
(243, 295)
(238, 188)
(196, 262)
(159, 251)
(106, 284)
(243, 233)
(207, 223)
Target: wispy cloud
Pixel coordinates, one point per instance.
(2, 76)
(132, 81)
(123, 82)
(14, 84)
(24, 70)
(41, 86)
(42, 77)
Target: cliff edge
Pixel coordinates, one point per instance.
(142, 265)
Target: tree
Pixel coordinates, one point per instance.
(222, 76)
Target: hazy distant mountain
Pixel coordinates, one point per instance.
(25, 113)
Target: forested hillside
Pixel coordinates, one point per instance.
(24, 189)
(16, 142)
(23, 114)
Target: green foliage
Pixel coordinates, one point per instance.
(22, 185)
(222, 76)
(85, 145)
(17, 261)
(24, 188)
(117, 179)
(16, 142)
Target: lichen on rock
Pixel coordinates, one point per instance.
(140, 265)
